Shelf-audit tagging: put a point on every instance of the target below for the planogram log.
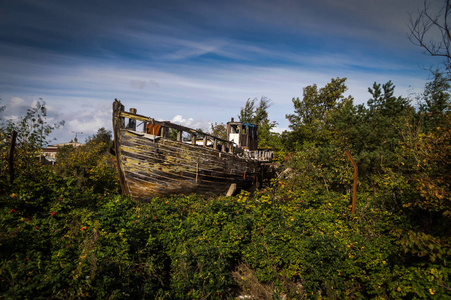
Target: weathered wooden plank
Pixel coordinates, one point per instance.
(117, 125)
(141, 184)
(194, 152)
(174, 172)
(163, 168)
(179, 165)
(154, 165)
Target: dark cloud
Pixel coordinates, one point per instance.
(130, 29)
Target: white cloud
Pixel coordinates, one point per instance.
(191, 122)
(166, 80)
(206, 94)
(16, 103)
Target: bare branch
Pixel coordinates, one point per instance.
(431, 31)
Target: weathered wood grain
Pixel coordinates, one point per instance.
(162, 167)
(150, 164)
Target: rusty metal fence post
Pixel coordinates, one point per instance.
(354, 190)
(12, 146)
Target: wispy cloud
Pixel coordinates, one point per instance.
(197, 62)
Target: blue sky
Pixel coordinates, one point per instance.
(196, 62)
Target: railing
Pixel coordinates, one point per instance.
(264, 155)
(199, 138)
(162, 129)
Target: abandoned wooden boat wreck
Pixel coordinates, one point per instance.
(157, 158)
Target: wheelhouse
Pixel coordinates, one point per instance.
(243, 134)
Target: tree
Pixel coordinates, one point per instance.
(371, 132)
(435, 103)
(255, 115)
(310, 121)
(261, 112)
(247, 112)
(428, 156)
(327, 121)
(384, 102)
(32, 130)
(103, 136)
(431, 29)
(219, 130)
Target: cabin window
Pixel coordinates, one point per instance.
(234, 129)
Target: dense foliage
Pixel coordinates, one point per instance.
(91, 165)
(72, 244)
(66, 232)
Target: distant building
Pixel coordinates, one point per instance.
(48, 154)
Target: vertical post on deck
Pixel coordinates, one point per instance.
(231, 148)
(132, 122)
(179, 135)
(117, 108)
(166, 131)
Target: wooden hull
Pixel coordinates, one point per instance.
(152, 166)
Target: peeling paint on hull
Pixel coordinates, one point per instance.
(151, 164)
(164, 167)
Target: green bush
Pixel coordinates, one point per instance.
(294, 240)
(303, 245)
